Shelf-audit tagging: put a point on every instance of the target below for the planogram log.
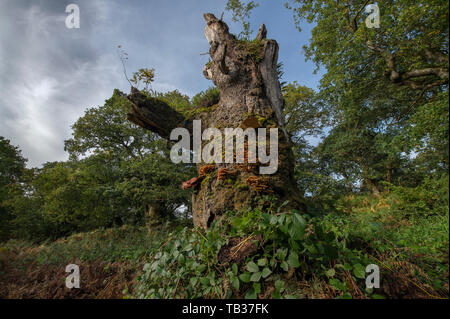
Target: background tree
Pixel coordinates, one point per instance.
(142, 181)
(12, 167)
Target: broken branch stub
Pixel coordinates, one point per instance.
(153, 114)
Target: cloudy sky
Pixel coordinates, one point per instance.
(49, 75)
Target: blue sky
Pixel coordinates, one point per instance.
(49, 75)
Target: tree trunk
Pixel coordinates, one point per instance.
(250, 96)
(153, 216)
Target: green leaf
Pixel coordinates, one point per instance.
(205, 281)
(251, 294)
(235, 283)
(337, 284)
(281, 253)
(276, 295)
(147, 267)
(235, 269)
(279, 285)
(193, 281)
(256, 276)
(245, 277)
(252, 267)
(262, 262)
(345, 296)
(181, 259)
(266, 272)
(201, 268)
(359, 271)
(293, 260)
(273, 220)
(285, 266)
(331, 272)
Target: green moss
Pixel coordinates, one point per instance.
(208, 178)
(198, 110)
(255, 49)
(241, 186)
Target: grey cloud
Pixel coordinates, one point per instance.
(50, 74)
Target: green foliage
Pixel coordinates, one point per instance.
(206, 98)
(176, 100)
(113, 244)
(12, 163)
(305, 114)
(399, 228)
(116, 171)
(427, 134)
(105, 129)
(241, 13)
(380, 111)
(187, 264)
(328, 249)
(254, 48)
(429, 198)
(141, 172)
(12, 168)
(144, 75)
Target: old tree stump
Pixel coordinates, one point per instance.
(245, 72)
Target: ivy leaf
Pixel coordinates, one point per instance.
(266, 272)
(235, 283)
(252, 267)
(359, 271)
(262, 262)
(251, 294)
(256, 276)
(245, 277)
(181, 259)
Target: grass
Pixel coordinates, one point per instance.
(411, 249)
(380, 225)
(126, 243)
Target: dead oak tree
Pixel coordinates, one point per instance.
(245, 72)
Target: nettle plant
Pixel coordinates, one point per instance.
(287, 247)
